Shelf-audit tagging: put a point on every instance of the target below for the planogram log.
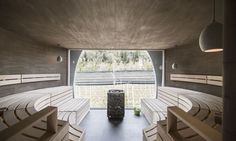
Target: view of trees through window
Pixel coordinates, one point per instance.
(92, 61)
(98, 71)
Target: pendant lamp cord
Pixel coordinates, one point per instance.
(214, 10)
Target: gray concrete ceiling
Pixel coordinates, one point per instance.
(107, 24)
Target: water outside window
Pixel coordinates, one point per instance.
(98, 71)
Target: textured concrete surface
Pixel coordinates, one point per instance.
(21, 56)
(157, 58)
(108, 24)
(191, 60)
(74, 58)
(99, 128)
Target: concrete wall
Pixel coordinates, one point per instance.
(190, 60)
(74, 58)
(22, 56)
(156, 57)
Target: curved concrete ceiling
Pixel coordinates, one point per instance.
(107, 24)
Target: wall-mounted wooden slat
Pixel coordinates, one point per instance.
(26, 78)
(215, 80)
(203, 79)
(10, 79)
(188, 78)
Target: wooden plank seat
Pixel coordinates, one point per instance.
(188, 133)
(150, 133)
(153, 109)
(67, 107)
(76, 132)
(37, 129)
(153, 133)
(72, 113)
(212, 100)
(160, 130)
(168, 97)
(200, 105)
(16, 109)
(36, 132)
(73, 105)
(185, 131)
(20, 106)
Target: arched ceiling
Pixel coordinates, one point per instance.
(107, 24)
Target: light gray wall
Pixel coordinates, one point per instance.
(191, 60)
(22, 56)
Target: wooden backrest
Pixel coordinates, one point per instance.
(188, 78)
(10, 79)
(203, 79)
(215, 80)
(27, 78)
(53, 96)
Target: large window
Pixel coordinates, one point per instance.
(98, 71)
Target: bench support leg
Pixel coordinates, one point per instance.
(52, 122)
(171, 122)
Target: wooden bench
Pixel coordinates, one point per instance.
(42, 125)
(196, 129)
(153, 109)
(20, 106)
(200, 105)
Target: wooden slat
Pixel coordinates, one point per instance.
(199, 127)
(199, 105)
(213, 77)
(203, 79)
(18, 128)
(26, 78)
(189, 78)
(215, 80)
(150, 132)
(28, 103)
(10, 79)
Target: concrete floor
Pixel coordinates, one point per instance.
(99, 128)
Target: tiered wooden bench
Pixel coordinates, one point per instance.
(200, 105)
(42, 125)
(19, 106)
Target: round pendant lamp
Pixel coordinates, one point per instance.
(210, 39)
